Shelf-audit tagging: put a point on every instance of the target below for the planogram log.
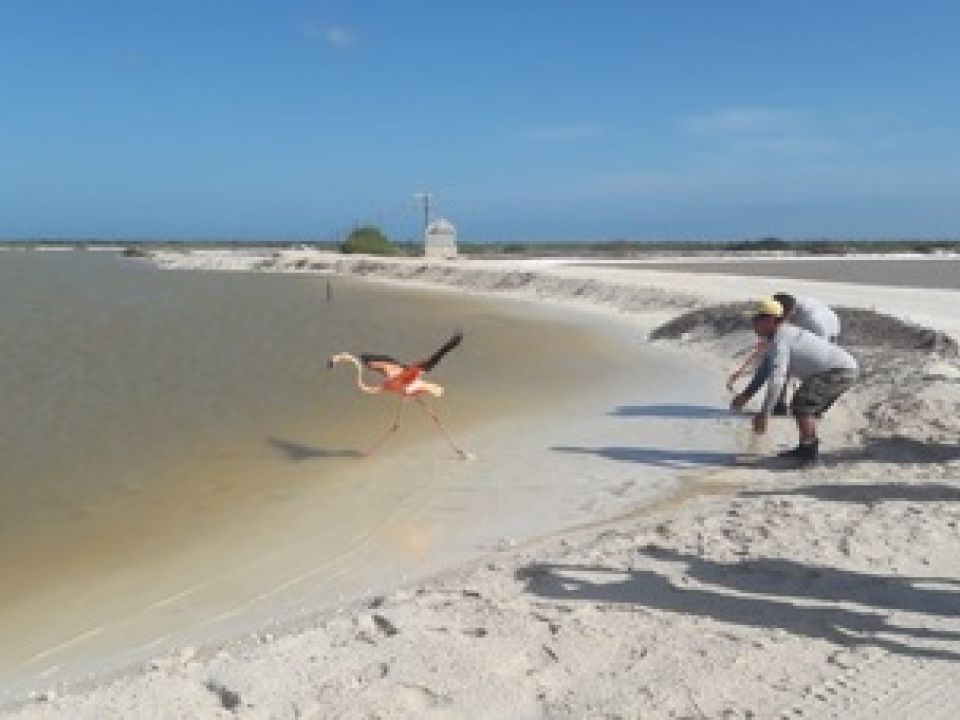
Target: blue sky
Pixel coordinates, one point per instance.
(527, 119)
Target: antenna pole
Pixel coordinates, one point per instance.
(425, 198)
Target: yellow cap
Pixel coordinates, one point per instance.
(765, 306)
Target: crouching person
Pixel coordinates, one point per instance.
(807, 313)
(825, 370)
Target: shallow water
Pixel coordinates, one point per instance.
(164, 428)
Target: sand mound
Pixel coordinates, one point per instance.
(904, 411)
(532, 282)
(861, 329)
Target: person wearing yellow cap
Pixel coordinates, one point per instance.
(805, 312)
(825, 370)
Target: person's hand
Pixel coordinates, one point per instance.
(738, 402)
(760, 423)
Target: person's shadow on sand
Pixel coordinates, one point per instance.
(655, 591)
(295, 452)
(768, 576)
(657, 457)
(672, 410)
(898, 450)
(869, 493)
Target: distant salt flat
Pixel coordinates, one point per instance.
(928, 273)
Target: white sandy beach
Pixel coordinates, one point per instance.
(746, 591)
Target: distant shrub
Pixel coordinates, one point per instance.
(408, 248)
(825, 247)
(368, 240)
(765, 243)
(933, 247)
(515, 248)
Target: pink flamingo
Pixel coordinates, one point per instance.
(403, 380)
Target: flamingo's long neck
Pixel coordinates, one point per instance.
(346, 357)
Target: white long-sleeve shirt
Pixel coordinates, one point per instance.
(799, 353)
(816, 316)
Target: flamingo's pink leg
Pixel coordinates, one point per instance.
(394, 426)
(462, 453)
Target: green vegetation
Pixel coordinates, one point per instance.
(368, 240)
(764, 245)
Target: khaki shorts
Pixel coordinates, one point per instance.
(818, 392)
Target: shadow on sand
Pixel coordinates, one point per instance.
(839, 625)
(657, 457)
(898, 450)
(295, 452)
(818, 582)
(672, 410)
(869, 493)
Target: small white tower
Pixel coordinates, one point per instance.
(440, 240)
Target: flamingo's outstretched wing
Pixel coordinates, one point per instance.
(383, 364)
(431, 362)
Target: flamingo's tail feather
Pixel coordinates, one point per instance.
(431, 362)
